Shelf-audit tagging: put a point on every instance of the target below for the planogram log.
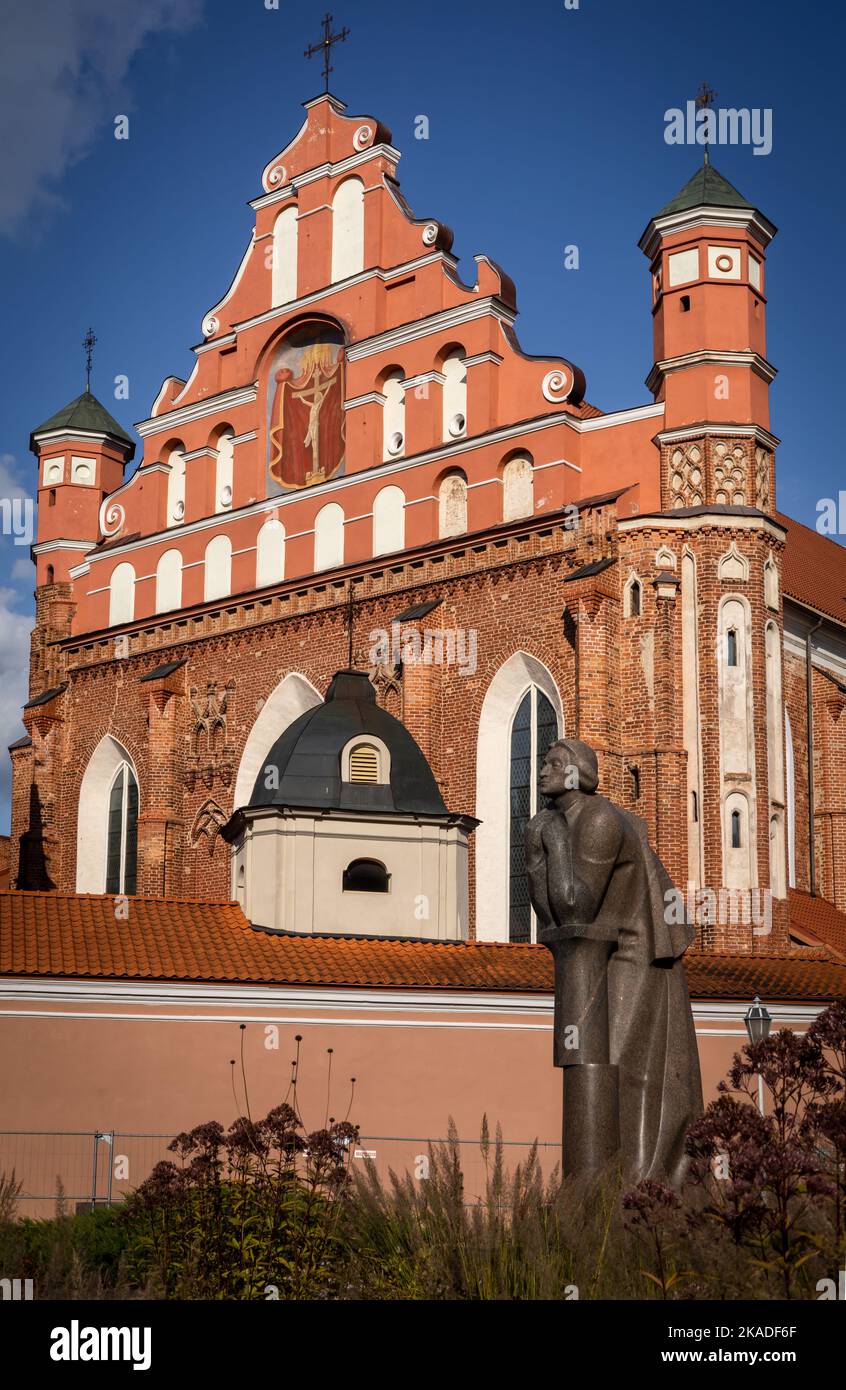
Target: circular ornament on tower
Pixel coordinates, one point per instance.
(363, 137)
(430, 233)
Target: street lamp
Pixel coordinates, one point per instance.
(758, 1023)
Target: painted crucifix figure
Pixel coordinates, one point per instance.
(306, 412)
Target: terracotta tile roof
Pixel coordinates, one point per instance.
(76, 936)
(818, 922)
(814, 569)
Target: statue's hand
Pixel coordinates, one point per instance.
(536, 868)
(535, 846)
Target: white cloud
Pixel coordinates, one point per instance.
(15, 628)
(63, 71)
(9, 485)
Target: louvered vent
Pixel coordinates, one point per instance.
(364, 763)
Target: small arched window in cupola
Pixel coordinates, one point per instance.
(364, 763)
(366, 876)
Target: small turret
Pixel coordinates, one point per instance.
(706, 251)
(82, 453)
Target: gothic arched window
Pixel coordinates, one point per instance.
(122, 833)
(534, 728)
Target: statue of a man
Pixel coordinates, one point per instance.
(624, 1029)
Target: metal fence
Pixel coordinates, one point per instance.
(103, 1166)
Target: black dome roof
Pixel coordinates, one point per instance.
(307, 757)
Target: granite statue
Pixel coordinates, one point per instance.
(623, 1032)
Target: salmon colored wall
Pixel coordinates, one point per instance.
(414, 1069)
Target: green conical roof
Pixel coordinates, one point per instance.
(707, 188)
(85, 413)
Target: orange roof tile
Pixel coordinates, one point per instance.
(814, 569)
(819, 922)
(77, 936)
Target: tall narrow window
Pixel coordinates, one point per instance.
(122, 835)
(347, 230)
(217, 577)
(731, 647)
(284, 272)
(393, 416)
(633, 607)
(169, 582)
(535, 727)
(122, 594)
(388, 520)
(736, 842)
(176, 488)
(270, 553)
(329, 537)
(455, 396)
(223, 471)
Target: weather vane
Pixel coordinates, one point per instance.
(325, 47)
(705, 97)
(88, 343)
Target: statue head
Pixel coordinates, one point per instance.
(570, 765)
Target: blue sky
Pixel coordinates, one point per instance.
(546, 129)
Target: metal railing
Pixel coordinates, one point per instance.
(85, 1167)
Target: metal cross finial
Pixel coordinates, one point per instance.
(325, 47)
(705, 97)
(88, 343)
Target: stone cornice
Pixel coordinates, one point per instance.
(708, 356)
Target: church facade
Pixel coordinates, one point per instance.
(365, 471)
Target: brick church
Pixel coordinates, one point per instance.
(293, 670)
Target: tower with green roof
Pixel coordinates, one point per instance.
(81, 453)
(706, 250)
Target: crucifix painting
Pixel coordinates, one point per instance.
(305, 417)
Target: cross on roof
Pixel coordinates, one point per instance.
(88, 343)
(325, 47)
(705, 97)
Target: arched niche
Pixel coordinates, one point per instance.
(290, 698)
(388, 520)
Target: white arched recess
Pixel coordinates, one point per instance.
(493, 765)
(791, 801)
(291, 698)
(92, 824)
